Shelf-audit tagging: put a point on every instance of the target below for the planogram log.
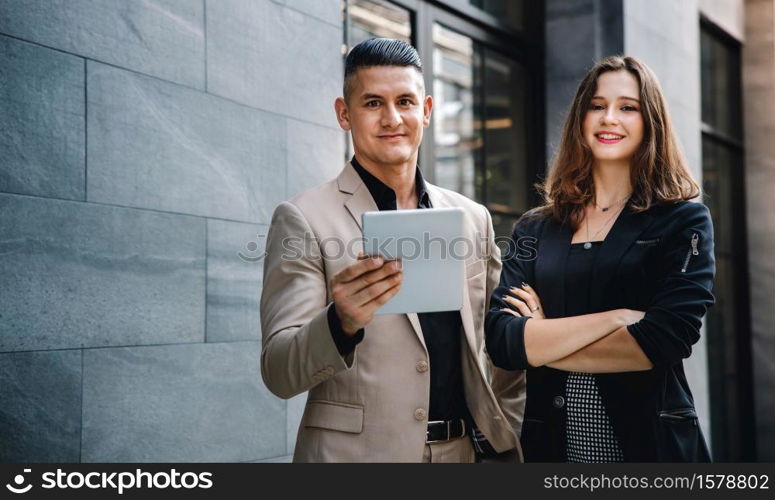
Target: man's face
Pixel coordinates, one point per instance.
(386, 113)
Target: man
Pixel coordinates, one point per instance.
(402, 387)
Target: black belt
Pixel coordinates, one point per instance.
(444, 430)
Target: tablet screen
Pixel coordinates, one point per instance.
(432, 250)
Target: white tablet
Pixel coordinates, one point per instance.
(432, 249)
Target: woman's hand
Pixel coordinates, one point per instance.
(525, 302)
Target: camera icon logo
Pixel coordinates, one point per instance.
(19, 481)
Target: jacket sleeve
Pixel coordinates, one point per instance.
(508, 386)
(504, 333)
(299, 350)
(674, 315)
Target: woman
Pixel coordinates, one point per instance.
(604, 287)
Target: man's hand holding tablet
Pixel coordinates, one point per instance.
(361, 288)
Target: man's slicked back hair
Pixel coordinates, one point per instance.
(378, 52)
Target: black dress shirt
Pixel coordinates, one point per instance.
(441, 330)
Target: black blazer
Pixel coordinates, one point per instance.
(659, 261)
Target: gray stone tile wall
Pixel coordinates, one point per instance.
(179, 403)
(153, 144)
(42, 105)
(326, 10)
(40, 414)
(163, 38)
(275, 58)
(128, 185)
(84, 275)
(315, 155)
(234, 276)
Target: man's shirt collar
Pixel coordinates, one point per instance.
(383, 195)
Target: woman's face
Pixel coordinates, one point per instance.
(613, 125)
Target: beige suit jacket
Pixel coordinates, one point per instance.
(370, 406)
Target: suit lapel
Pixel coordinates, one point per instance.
(358, 202)
(553, 248)
(623, 233)
(359, 199)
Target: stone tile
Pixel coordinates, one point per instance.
(84, 275)
(163, 38)
(315, 155)
(234, 275)
(157, 145)
(329, 11)
(644, 9)
(665, 22)
(40, 416)
(642, 43)
(294, 412)
(271, 57)
(42, 102)
(179, 403)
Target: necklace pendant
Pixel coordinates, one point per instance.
(587, 245)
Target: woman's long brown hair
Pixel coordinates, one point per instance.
(658, 168)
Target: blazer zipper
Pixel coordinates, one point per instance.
(677, 414)
(692, 251)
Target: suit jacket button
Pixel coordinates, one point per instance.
(558, 401)
(419, 414)
(422, 366)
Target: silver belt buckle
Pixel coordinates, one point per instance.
(427, 432)
(449, 431)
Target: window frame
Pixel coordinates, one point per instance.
(742, 384)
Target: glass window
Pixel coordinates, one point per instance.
(720, 85)
(479, 125)
(378, 19)
(511, 12)
(506, 182)
(728, 324)
(457, 131)
(722, 169)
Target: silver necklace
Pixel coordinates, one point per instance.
(588, 243)
(605, 209)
